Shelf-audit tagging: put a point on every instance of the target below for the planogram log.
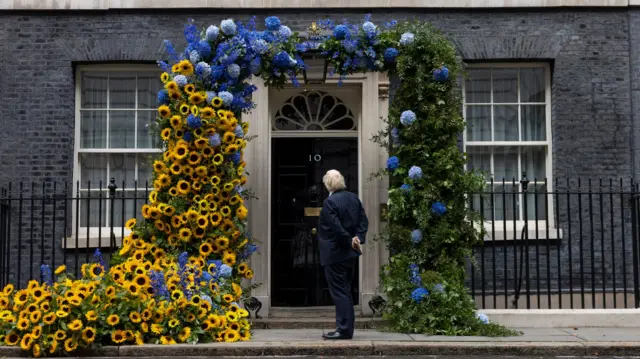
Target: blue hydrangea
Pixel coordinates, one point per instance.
(438, 288)
(272, 23)
(415, 274)
(212, 33)
(393, 162)
(203, 48)
(369, 27)
(210, 96)
(203, 69)
(238, 131)
(405, 187)
(441, 74)
(194, 121)
(226, 97)
(419, 294)
(341, 32)
(214, 140)
(407, 38)
(233, 70)
(390, 54)
(416, 236)
(181, 80)
(225, 271)
(407, 118)
(206, 298)
(482, 318)
(438, 208)
(283, 60)
(235, 158)
(415, 173)
(350, 45)
(259, 46)
(395, 133)
(206, 276)
(284, 32)
(187, 136)
(163, 97)
(194, 56)
(255, 65)
(228, 27)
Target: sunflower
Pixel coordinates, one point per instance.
(75, 325)
(216, 102)
(113, 320)
(173, 323)
(133, 288)
(35, 316)
(165, 134)
(189, 88)
(157, 329)
(242, 268)
(207, 113)
(26, 342)
(176, 122)
(164, 77)
(177, 294)
(12, 339)
(36, 332)
(23, 324)
(201, 143)
(184, 234)
(196, 98)
(21, 297)
(231, 149)
(215, 218)
(183, 187)
(248, 274)
(194, 158)
(232, 317)
(184, 334)
(228, 298)
(225, 211)
(118, 336)
(9, 289)
(186, 68)
(166, 340)
(241, 212)
(175, 95)
(164, 111)
(228, 137)
(217, 159)
(184, 109)
(229, 258)
(172, 86)
(235, 200)
(54, 346)
(222, 242)
(231, 336)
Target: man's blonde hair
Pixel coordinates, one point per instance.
(334, 181)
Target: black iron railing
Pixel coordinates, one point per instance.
(561, 244)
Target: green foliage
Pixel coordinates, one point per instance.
(430, 143)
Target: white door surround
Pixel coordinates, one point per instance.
(367, 96)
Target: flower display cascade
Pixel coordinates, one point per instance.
(176, 278)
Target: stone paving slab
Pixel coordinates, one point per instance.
(606, 334)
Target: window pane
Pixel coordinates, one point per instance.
(506, 203)
(94, 90)
(479, 158)
(122, 90)
(148, 86)
(534, 162)
(122, 168)
(532, 87)
(121, 129)
(505, 85)
(532, 198)
(127, 204)
(533, 123)
(93, 209)
(505, 120)
(145, 170)
(93, 168)
(482, 204)
(478, 86)
(505, 163)
(478, 123)
(93, 129)
(146, 137)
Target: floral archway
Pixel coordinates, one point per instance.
(177, 276)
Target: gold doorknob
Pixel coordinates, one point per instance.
(314, 231)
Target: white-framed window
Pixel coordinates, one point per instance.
(116, 106)
(507, 107)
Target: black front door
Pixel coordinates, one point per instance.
(298, 193)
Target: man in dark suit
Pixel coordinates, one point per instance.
(342, 228)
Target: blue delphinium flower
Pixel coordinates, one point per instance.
(45, 274)
(393, 162)
(228, 27)
(341, 32)
(251, 248)
(407, 38)
(97, 256)
(171, 51)
(416, 236)
(188, 136)
(390, 54)
(284, 32)
(206, 276)
(238, 131)
(438, 208)
(181, 80)
(235, 158)
(214, 140)
(163, 97)
(415, 172)
(441, 74)
(194, 121)
(158, 284)
(369, 28)
(212, 33)
(482, 318)
(439, 288)
(419, 294)
(233, 70)
(259, 46)
(164, 66)
(405, 187)
(407, 118)
(225, 271)
(226, 97)
(272, 23)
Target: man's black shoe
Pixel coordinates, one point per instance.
(336, 336)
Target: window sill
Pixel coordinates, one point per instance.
(518, 235)
(94, 237)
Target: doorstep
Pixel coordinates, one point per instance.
(312, 323)
(580, 342)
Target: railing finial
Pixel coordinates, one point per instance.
(112, 186)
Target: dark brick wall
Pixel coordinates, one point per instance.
(592, 55)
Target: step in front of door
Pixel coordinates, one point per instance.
(313, 323)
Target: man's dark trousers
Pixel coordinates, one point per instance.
(339, 277)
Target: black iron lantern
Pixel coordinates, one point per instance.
(317, 72)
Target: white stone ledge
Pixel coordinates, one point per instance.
(308, 4)
(565, 318)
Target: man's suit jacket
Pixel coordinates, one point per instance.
(342, 218)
